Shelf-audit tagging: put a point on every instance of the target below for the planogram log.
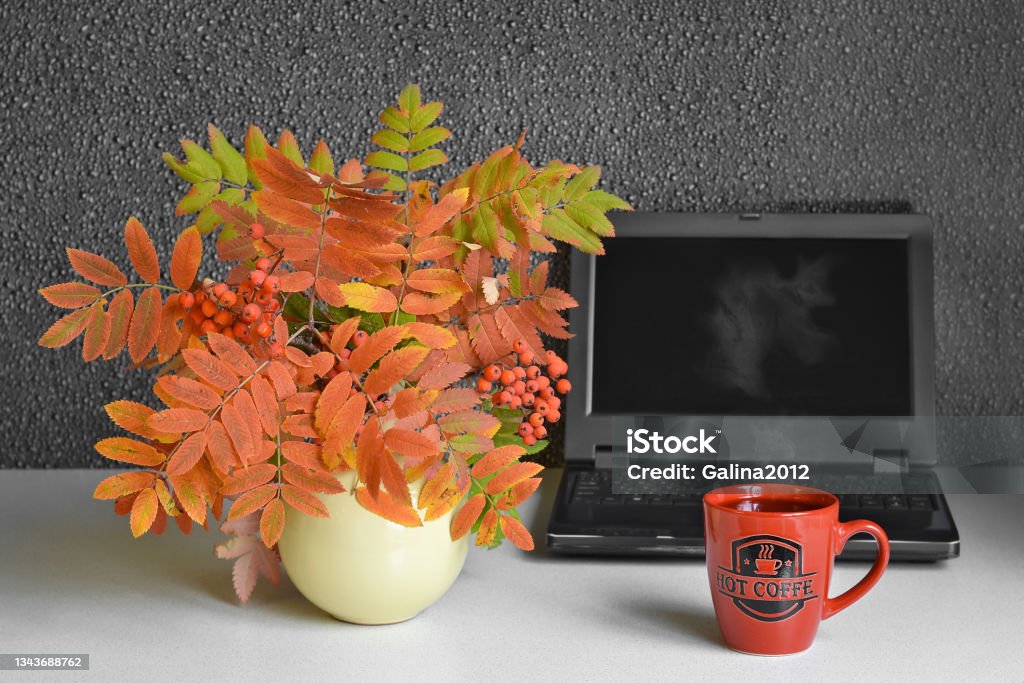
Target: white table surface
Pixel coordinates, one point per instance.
(72, 580)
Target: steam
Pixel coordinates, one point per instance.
(766, 552)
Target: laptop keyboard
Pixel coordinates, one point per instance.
(594, 487)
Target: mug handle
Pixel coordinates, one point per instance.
(844, 531)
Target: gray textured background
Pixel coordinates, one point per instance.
(702, 106)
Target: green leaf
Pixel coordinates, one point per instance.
(320, 160)
(485, 227)
(387, 160)
(232, 164)
(200, 160)
(297, 307)
(394, 119)
(431, 157)
(389, 139)
(605, 201)
(559, 225)
(581, 183)
(409, 98)
(428, 138)
(183, 171)
(394, 183)
(516, 440)
(255, 148)
(424, 116)
(289, 146)
(590, 218)
(371, 322)
(197, 198)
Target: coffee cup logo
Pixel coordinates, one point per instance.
(766, 580)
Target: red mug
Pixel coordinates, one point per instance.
(770, 550)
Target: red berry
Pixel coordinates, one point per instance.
(251, 313)
(519, 345)
(345, 353)
(483, 386)
(492, 373)
(256, 231)
(563, 386)
(358, 338)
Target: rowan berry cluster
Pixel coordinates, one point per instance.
(244, 313)
(525, 386)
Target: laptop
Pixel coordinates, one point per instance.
(789, 339)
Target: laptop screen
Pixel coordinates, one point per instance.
(752, 326)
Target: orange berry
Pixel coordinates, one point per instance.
(492, 373)
(272, 284)
(553, 416)
(519, 387)
(504, 397)
(543, 382)
(272, 306)
(197, 316)
(345, 353)
(251, 313)
(245, 289)
(276, 350)
(540, 432)
(256, 277)
(228, 332)
(358, 338)
(551, 355)
(209, 308)
(483, 386)
(540, 406)
(200, 296)
(515, 403)
(520, 373)
(532, 386)
(207, 326)
(186, 299)
(554, 402)
(563, 386)
(219, 289)
(545, 393)
(228, 299)
(507, 377)
(533, 372)
(263, 329)
(528, 399)
(240, 328)
(263, 264)
(223, 318)
(536, 419)
(519, 345)
(256, 231)
(525, 358)
(525, 429)
(263, 297)
(529, 440)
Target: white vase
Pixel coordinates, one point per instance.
(363, 569)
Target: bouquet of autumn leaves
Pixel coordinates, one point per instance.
(363, 321)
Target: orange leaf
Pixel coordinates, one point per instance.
(145, 325)
(122, 485)
(343, 427)
(331, 400)
(141, 251)
(486, 338)
(488, 528)
(411, 443)
(266, 405)
(435, 248)
(190, 498)
(243, 401)
(251, 501)
(518, 493)
(387, 507)
(514, 326)
(302, 453)
(168, 339)
(177, 420)
(131, 417)
(188, 454)
(296, 282)
(144, 512)
(189, 391)
(454, 400)
(328, 290)
(394, 367)
(374, 347)
(65, 330)
(342, 333)
(245, 479)
(219, 444)
(470, 422)
(95, 268)
(422, 304)
(369, 453)
(121, 308)
(313, 481)
(323, 363)
(213, 370)
(280, 174)
(272, 522)
(443, 376)
(297, 357)
(70, 294)
(283, 383)
(123, 449)
(512, 475)
(432, 336)
(232, 353)
(410, 401)
(497, 459)
(467, 515)
(97, 332)
(437, 281)
(303, 501)
(288, 211)
(185, 259)
(238, 430)
(435, 486)
(442, 212)
(516, 532)
(300, 425)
